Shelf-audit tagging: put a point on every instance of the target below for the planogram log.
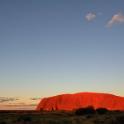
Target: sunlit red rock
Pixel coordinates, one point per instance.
(80, 100)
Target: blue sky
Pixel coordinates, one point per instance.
(48, 47)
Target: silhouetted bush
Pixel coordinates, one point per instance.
(101, 110)
(3, 122)
(85, 111)
(120, 119)
(24, 119)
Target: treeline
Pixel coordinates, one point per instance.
(91, 110)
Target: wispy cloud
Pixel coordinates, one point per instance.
(7, 99)
(35, 98)
(117, 18)
(18, 106)
(90, 16)
(15, 103)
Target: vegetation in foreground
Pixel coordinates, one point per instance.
(81, 116)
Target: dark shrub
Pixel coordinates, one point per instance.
(24, 119)
(120, 120)
(101, 111)
(85, 111)
(3, 122)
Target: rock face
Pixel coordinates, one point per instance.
(80, 100)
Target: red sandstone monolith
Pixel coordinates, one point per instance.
(70, 102)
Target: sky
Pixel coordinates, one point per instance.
(50, 47)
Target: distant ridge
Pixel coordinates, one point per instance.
(70, 102)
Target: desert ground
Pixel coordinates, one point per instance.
(62, 117)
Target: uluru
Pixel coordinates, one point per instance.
(69, 102)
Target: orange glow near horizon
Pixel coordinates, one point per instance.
(20, 104)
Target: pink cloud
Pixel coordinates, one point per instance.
(117, 18)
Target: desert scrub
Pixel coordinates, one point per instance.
(24, 118)
(120, 119)
(3, 122)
